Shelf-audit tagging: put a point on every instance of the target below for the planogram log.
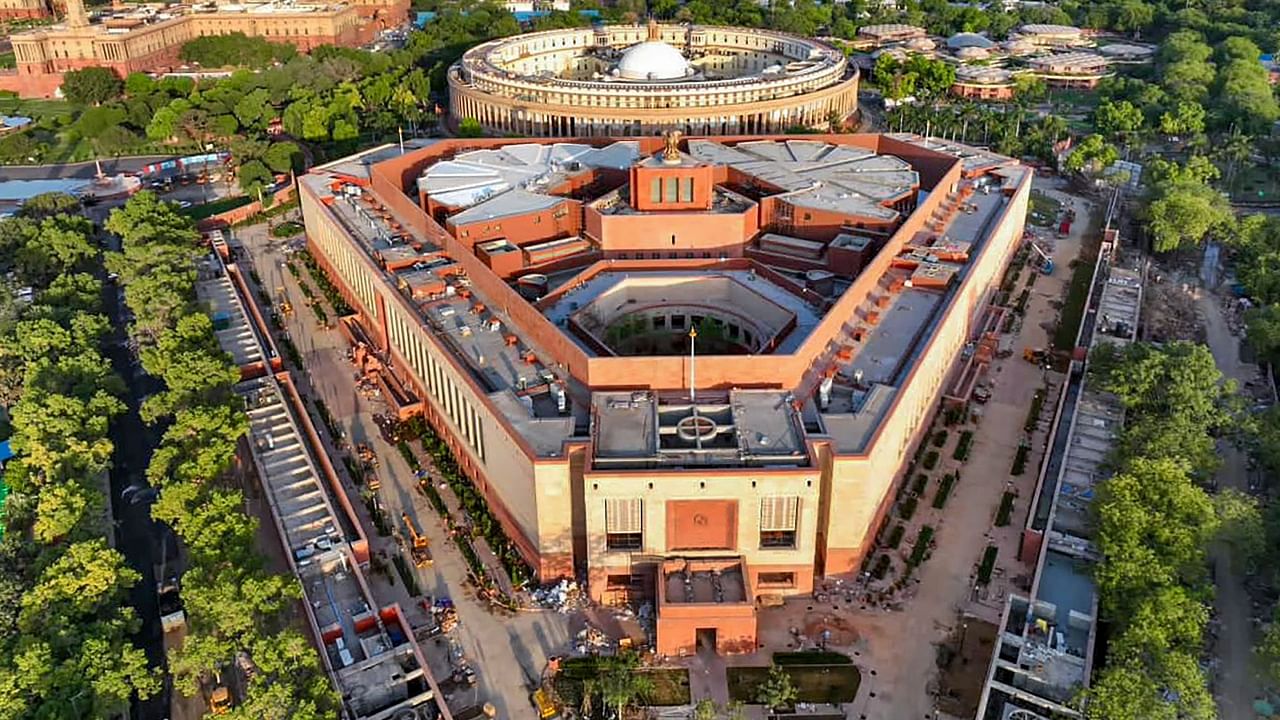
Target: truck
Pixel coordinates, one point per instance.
(419, 547)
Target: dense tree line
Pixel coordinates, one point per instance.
(236, 50)
(64, 625)
(234, 604)
(335, 100)
(1154, 524)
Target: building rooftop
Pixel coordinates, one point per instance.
(771, 309)
(704, 582)
(472, 178)
(236, 334)
(742, 427)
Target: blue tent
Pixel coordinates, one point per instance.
(6, 452)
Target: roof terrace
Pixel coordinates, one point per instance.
(745, 427)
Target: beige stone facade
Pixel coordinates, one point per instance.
(780, 463)
(23, 9)
(565, 83)
(144, 41)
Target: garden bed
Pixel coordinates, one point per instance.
(827, 683)
(670, 685)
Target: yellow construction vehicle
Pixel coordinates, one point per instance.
(219, 700)
(418, 545)
(1035, 356)
(286, 307)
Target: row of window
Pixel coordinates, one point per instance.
(406, 338)
(342, 256)
(775, 580)
(624, 523)
(670, 190)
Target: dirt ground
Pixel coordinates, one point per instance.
(897, 649)
(1232, 630)
(508, 652)
(962, 664)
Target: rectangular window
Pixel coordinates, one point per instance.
(655, 190)
(617, 582)
(778, 520)
(776, 580)
(624, 524)
(669, 189)
(686, 189)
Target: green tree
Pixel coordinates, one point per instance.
(1186, 118)
(470, 128)
(1240, 526)
(254, 177)
(1092, 156)
(620, 684)
(1181, 215)
(1118, 119)
(777, 691)
(283, 157)
(91, 85)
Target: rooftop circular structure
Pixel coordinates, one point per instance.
(634, 80)
(969, 40)
(654, 60)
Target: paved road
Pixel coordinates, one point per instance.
(1236, 682)
(77, 170)
(508, 652)
(137, 537)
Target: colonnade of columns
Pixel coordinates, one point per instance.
(532, 122)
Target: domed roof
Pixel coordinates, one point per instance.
(653, 60)
(968, 39)
(921, 44)
(973, 53)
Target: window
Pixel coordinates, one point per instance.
(773, 580)
(624, 524)
(655, 190)
(617, 582)
(669, 191)
(659, 322)
(778, 519)
(686, 189)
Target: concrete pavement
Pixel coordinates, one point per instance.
(507, 651)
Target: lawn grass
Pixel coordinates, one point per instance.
(1064, 337)
(670, 685)
(829, 683)
(36, 108)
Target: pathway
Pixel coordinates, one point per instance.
(898, 650)
(507, 651)
(1236, 683)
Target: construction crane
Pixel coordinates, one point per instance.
(1046, 263)
(419, 547)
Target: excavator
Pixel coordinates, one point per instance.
(419, 547)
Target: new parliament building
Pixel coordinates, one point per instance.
(692, 369)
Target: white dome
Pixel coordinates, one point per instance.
(653, 60)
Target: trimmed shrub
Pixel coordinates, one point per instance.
(881, 568)
(1020, 460)
(895, 536)
(963, 446)
(930, 460)
(988, 564)
(1033, 414)
(940, 438)
(1006, 509)
(921, 483)
(908, 508)
(944, 490)
(921, 548)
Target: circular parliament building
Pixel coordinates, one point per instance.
(631, 80)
